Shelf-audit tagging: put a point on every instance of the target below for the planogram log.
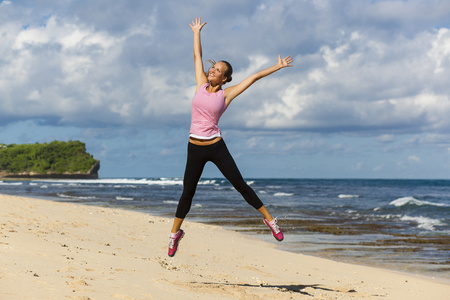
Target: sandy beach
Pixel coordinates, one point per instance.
(53, 250)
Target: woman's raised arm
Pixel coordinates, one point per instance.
(200, 76)
(234, 91)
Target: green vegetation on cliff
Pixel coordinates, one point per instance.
(53, 158)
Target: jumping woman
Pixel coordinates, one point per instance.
(205, 140)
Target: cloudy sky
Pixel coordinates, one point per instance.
(368, 96)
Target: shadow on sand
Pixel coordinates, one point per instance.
(293, 288)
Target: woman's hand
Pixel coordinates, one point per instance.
(285, 62)
(197, 25)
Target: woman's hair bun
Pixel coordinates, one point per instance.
(228, 71)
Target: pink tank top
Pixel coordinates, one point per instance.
(207, 108)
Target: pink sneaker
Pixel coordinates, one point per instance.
(276, 230)
(173, 242)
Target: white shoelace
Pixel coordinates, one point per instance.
(275, 226)
(171, 242)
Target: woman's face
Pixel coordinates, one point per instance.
(216, 73)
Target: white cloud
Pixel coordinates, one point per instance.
(378, 168)
(76, 74)
(414, 159)
(368, 74)
(348, 74)
(386, 138)
(440, 51)
(363, 83)
(359, 166)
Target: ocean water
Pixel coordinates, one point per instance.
(396, 224)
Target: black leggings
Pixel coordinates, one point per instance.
(217, 153)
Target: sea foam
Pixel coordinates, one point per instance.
(124, 198)
(424, 222)
(62, 195)
(349, 196)
(128, 182)
(283, 194)
(413, 201)
(10, 183)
